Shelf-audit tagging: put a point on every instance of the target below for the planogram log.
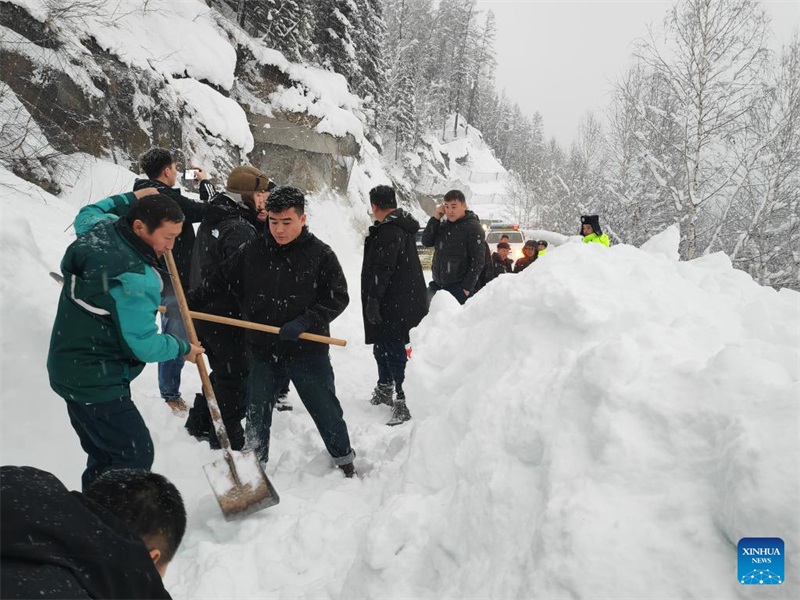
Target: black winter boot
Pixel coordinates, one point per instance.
(349, 470)
(283, 403)
(198, 423)
(382, 394)
(400, 413)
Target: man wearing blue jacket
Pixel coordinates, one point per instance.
(105, 329)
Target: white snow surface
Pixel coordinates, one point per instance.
(612, 432)
(222, 116)
(172, 37)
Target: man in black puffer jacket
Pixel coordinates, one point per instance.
(393, 295)
(459, 247)
(161, 169)
(293, 280)
(233, 218)
(114, 541)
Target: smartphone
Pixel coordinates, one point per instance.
(190, 174)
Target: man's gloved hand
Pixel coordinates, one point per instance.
(373, 311)
(291, 331)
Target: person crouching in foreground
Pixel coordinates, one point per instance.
(114, 541)
(293, 280)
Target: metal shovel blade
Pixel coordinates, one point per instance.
(240, 485)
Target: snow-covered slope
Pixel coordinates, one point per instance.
(112, 80)
(611, 432)
(462, 161)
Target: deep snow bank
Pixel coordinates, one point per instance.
(608, 424)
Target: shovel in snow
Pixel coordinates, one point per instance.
(238, 479)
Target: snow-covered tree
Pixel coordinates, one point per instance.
(335, 33)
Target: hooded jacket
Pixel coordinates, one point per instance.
(60, 544)
(459, 250)
(391, 273)
(193, 212)
(275, 284)
(228, 225)
(105, 329)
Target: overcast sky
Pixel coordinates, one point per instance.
(558, 57)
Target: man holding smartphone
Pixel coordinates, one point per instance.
(160, 167)
(459, 247)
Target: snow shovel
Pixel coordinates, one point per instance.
(238, 479)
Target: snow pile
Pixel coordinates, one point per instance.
(172, 37)
(613, 431)
(220, 115)
(34, 232)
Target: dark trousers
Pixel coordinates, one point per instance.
(455, 290)
(391, 358)
(227, 355)
(312, 377)
(114, 436)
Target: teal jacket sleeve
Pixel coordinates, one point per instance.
(134, 314)
(113, 207)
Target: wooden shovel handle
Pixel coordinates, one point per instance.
(311, 337)
(208, 391)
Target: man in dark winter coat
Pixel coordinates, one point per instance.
(393, 295)
(500, 261)
(105, 329)
(293, 280)
(115, 541)
(459, 247)
(529, 254)
(232, 218)
(162, 174)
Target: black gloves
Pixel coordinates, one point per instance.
(373, 311)
(291, 331)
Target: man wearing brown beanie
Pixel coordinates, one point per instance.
(232, 218)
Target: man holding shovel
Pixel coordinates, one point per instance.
(105, 329)
(293, 280)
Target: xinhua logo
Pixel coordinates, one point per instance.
(761, 561)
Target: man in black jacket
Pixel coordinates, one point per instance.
(232, 218)
(393, 295)
(459, 247)
(500, 261)
(162, 174)
(115, 541)
(293, 280)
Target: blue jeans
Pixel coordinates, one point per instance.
(169, 372)
(114, 436)
(391, 358)
(312, 377)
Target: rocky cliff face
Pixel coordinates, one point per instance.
(67, 88)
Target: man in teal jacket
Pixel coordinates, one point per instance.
(591, 232)
(105, 328)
